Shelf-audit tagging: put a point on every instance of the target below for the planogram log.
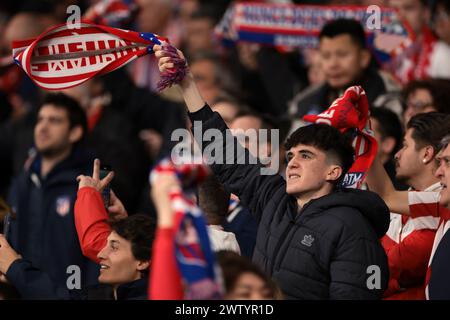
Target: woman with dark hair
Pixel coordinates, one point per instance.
(244, 280)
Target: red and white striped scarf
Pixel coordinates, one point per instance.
(61, 57)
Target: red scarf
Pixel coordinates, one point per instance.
(351, 112)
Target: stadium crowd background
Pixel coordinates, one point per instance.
(129, 123)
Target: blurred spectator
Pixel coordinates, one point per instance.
(199, 35)
(268, 78)
(441, 20)
(124, 264)
(428, 206)
(244, 280)
(43, 196)
(227, 106)
(212, 76)
(345, 61)
(153, 16)
(388, 132)
(23, 96)
(112, 138)
(427, 56)
(214, 200)
(426, 96)
(316, 76)
(409, 241)
(440, 280)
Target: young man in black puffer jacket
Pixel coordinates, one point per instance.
(317, 241)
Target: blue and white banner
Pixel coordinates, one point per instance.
(298, 26)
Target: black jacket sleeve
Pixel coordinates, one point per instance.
(240, 173)
(34, 284)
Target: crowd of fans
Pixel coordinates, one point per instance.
(296, 234)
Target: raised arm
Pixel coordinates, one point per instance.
(91, 217)
(237, 169)
(165, 278)
(379, 182)
(189, 90)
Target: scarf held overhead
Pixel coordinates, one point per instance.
(351, 113)
(297, 26)
(62, 58)
(192, 247)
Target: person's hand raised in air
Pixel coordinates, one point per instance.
(116, 209)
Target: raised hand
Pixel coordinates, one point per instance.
(167, 61)
(94, 181)
(161, 186)
(116, 209)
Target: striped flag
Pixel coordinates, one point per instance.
(113, 13)
(61, 57)
(288, 26)
(192, 247)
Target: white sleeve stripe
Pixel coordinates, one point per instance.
(423, 197)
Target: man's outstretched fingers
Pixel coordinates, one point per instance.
(96, 170)
(104, 182)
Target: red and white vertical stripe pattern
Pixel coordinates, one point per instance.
(423, 204)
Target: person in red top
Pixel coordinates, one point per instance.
(91, 217)
(243, 280)
(91, 220)
(408, 241)
(418, 205)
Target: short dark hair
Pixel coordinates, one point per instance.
(439, 90)
(76, 114)
(267, 121)
(327, 139)
(233, 266)
(445, 4)
(139, 229)
(429, 129)
(445, 141)
(223, 78)
(342, 27)
(389, 125)
(214, 200)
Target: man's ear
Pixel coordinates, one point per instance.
(75, 134)
(334, 173)
(142, 265)
(365, 58)
(428, 154)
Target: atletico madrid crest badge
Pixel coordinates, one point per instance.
(63, 205)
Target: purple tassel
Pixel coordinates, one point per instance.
(176, 74)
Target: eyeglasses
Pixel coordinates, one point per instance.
(418, 105)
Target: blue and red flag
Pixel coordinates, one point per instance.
(63, 57)
(194, 255)
(289, 26)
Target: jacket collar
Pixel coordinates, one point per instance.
(135, 290)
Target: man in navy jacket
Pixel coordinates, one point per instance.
(42, 198)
